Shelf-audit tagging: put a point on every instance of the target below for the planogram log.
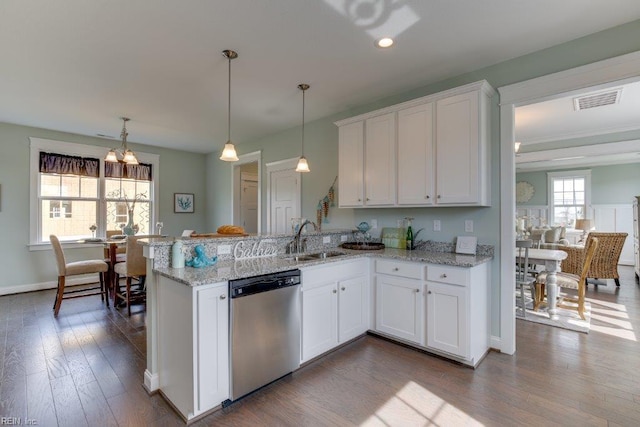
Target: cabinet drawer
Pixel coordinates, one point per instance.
(411, 270)
(448, 274)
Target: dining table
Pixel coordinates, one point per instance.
(111, 245)
(551, 259)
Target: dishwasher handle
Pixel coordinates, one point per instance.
(263, 286)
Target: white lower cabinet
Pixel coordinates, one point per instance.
(457, 314)
(193, 345)
(399, 299)
(335, 305)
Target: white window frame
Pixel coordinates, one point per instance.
(83, 150)
(583, 173)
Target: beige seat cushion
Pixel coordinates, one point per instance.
(84, 267)
(121, 268)
(564, 280)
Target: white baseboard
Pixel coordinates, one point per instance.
(76, 280)
(495, 342)
(151, 381)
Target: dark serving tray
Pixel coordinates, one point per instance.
(363, 246)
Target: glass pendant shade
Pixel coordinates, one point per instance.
(303, 166)
(229, 153)
(111, 157)
(130, 158)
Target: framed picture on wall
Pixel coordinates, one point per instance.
(183, 202)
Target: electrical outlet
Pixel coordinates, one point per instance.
(468, 226)
(343, 238)
(436, 225)
(224, 249)
(326, 239)
(374, 223)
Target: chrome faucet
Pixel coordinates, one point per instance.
(297, 245)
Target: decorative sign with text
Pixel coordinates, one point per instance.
(252, 249)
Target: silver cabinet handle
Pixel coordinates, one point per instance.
(343, 288)
(426, 197)
(368, 199)
(417, 291)
(396, 269)
(429, 292)
(359, 200)
(444, 276)
(334, 291)
(223, 296)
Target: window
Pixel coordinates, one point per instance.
(72, 188)
(569, 196)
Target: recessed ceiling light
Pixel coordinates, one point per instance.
(384, 42)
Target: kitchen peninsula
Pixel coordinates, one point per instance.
(432, 299)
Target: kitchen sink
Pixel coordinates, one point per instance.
(323, 255)
(315, 257)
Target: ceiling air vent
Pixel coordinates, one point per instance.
(599, 99)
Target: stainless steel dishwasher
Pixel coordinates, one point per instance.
(264, 330)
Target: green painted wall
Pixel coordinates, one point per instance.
(615, 184)
(321, 139)
(17, 261)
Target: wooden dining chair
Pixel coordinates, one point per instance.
(135, 267)
(570, 281)
(75, 268)
(524, 274)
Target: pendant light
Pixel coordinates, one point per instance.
(128, 156)
(229, 152)
(303, 166)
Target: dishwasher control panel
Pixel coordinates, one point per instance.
(263, 283)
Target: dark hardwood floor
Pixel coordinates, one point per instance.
(86, 367)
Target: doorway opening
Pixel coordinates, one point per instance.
(246, 194)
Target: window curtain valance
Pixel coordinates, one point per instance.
(141, 172)
(70, 165)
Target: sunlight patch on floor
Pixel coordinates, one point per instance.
(624, 324)
(615, 332)
(612, 313)
(414, 405)
(611, 305)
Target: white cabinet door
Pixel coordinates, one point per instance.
(457, 149)
(380, 160)
(350, 166)
(399, 308)
(447, 326)
(319, 320)
(212, 368)
(353, 306)
(416, 169)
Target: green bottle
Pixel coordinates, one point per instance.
(409, 234)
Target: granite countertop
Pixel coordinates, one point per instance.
(237, 269)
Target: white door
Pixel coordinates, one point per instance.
(249, 202)
(284, 195)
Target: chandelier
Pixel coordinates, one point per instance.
(122, 154)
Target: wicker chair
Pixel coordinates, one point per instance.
(605, 260)
(570, 281)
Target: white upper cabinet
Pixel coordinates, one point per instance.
(431, 151)
(415, 155)
(380, 160)
(350, 164)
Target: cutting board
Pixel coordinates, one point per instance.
(195, 235)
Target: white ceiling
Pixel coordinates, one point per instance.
(77, 65)
(558, 120)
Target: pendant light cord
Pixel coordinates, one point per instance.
(229, 105)
(303, 91)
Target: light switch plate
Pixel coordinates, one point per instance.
(436, 225)
(373, 223)
(326, 239)
(468, 226)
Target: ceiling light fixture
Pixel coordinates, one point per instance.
(303, 166)
(123, 154)
(229, 152)
(384, 42)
